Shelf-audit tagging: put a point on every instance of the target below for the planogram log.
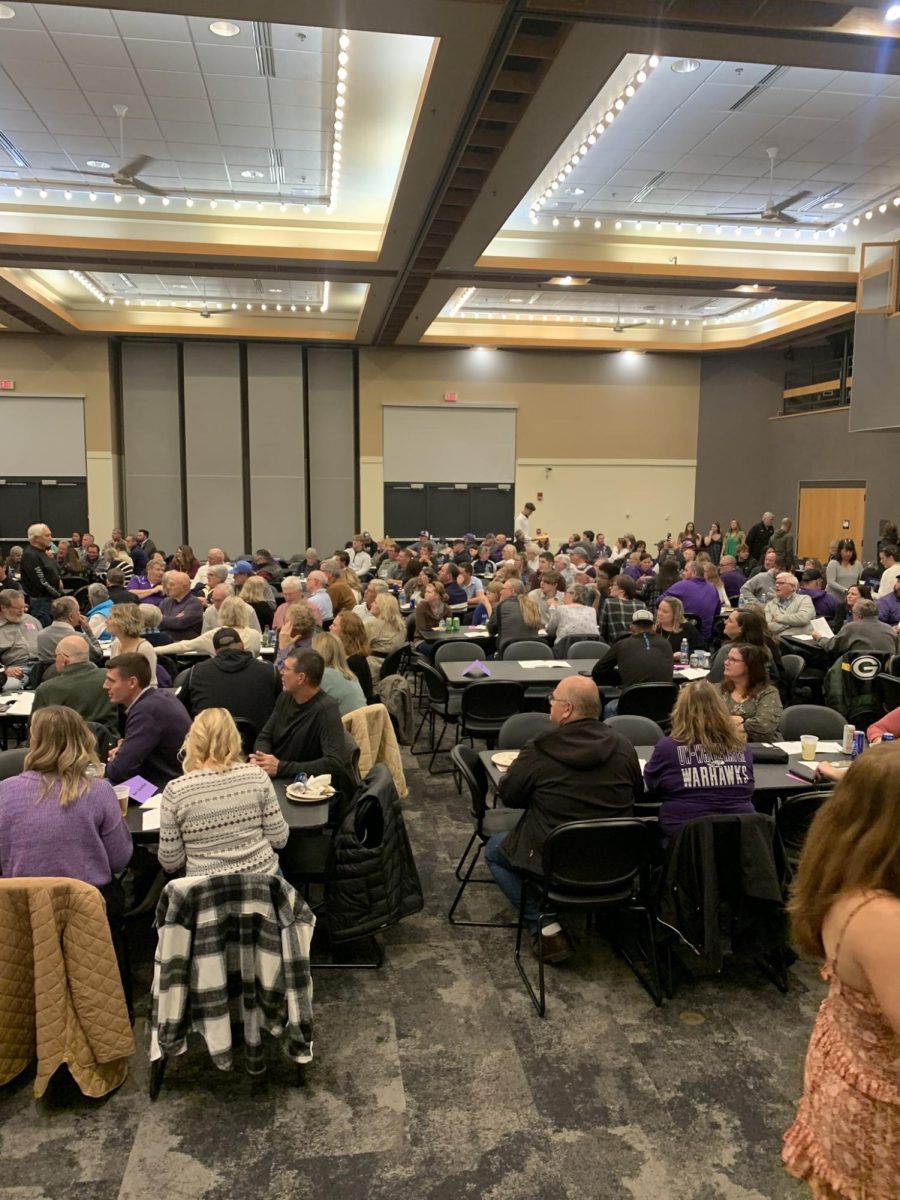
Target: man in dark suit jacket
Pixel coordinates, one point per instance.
(577, 771)
(156, 724)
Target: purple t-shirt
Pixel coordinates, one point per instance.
(692, 783)
(86, 840)
(699, 598)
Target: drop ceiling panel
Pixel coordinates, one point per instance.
(831, 128)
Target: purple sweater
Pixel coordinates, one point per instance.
(87, 840)
(699, 598)
(691, 783)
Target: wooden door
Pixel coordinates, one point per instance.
(828, 513)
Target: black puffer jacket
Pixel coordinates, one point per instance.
(373, 881)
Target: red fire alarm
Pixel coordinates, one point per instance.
(7, 385)
(449, 397)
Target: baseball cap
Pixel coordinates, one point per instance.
(223, 638)
(242, 567)
(642, 614)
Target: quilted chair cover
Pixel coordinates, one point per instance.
(60, 990)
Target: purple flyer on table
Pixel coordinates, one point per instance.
(139, 789)
(476, 668)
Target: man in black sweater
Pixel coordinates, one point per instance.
(642, 657)
(234, 680)
(304, 732)
(40, 574)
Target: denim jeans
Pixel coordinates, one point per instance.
(509, 879)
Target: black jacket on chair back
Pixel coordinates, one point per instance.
(373, 881)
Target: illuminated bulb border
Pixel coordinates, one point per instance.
(341, 88)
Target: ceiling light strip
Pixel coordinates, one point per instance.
(342, 86)
(88, 285)
(551, 185)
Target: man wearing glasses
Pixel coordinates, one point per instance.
(579, 770)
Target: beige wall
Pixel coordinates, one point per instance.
(47, 366)
(609, 439)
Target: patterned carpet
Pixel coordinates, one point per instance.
(434, 1078)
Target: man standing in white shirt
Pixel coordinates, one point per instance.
(520, 526)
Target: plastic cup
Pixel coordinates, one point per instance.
(808, 744)
(123, 793)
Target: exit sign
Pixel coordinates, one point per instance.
(7, 385)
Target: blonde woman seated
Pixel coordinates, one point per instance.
(296, 632)
(233, 615)
(349, 629)
(753, 703)
(704, 767)
(59, 818)
(387, 629)
(255, 593)
(671, 625)
(126, 624)
(515, 617)
(338, 681)
(223, 815)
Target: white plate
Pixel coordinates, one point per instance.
(504, 758)
(300, 797)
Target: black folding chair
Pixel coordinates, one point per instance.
(439, 701)
(589, 867)
(529, 650)
(486, 704)
(793, 818)
(653, 700)
(640, 731)
(521, 728)
(826, 723)
(486, 822)
(396, 663)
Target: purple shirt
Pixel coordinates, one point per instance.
(699, 598)
(86, 840)
(732, 582)
(889, 609)
(692, 783)
(184, 617)
(142, 583)
(823, 602)
(632, 572)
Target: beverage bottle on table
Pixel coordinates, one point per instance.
(684, 652)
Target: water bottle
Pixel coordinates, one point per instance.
(685, 652)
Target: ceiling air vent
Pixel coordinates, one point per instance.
(13, 151)
(265, 59)
(765, 82)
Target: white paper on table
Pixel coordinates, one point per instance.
(829, 748)
(150, 820)
(153, 802)
(789, 747)
(533, 663)
(643, 763)
(474, 633)
(801, 637)
(820, 625)
(692, 673)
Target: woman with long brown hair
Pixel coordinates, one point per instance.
(845, 909)
(59, 818)
(703, 767)
(748, 626)
(752, 701)
(352, 633)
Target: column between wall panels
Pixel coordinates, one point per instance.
(275, 448)
(334, 464)
(213, 448)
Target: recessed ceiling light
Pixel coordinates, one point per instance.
(892, 14)
(686, 66)
(275, 291)
(568, 281)
(6, 13)
(833, 205)
(224, 28)
(249, 174)
(574, 191)
(516, 300)
(98, 163)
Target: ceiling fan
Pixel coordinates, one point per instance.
(128, 175)
(205, 312)
(773, 212)
(619, 327)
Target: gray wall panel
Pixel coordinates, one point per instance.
(213, 447)
(277, 481)
(747, 463)
(332, 466)
(152, 465)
